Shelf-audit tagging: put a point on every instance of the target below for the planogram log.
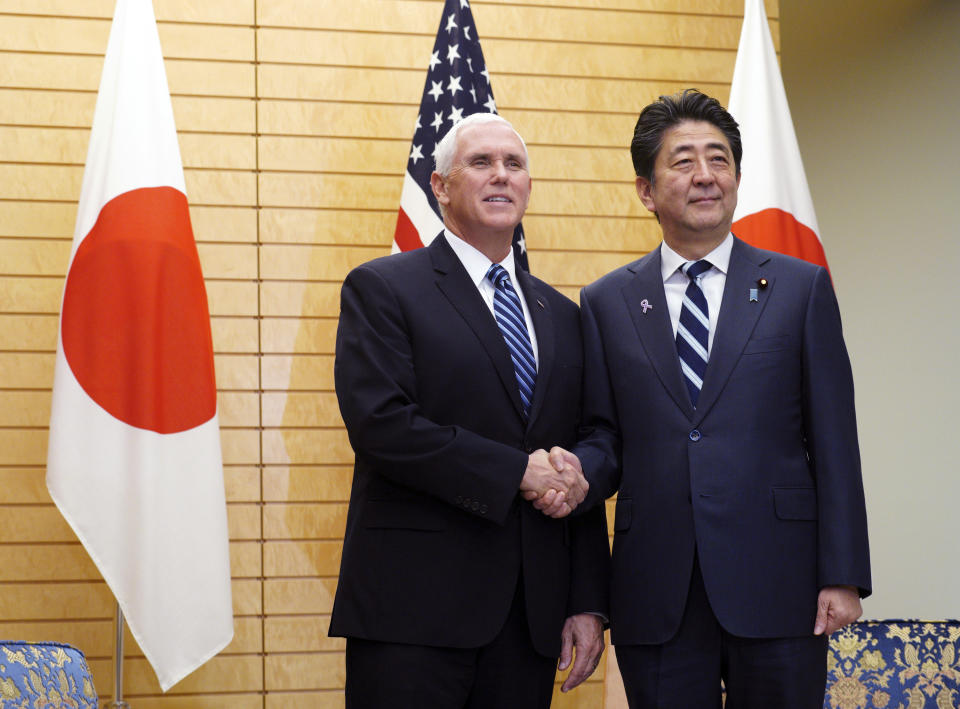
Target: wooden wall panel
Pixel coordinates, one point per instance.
(415, 16)
(320, 670)
(331, 699)
(302, 558)
(557, 27)
(299, 634)
(26, 369)
(307, 483)
(233, 224)
(296, 409)
(75, 109)
(89, 36)
(36, 220)
(330, 226)
(238, 12)
(294, 121)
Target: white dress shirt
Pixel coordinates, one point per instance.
(477, 265)
(675, 282)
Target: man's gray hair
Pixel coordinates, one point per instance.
(447, 147)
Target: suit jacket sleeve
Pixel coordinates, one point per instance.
(599, 444)
(830, 428)
(590, 564)
(376, 384)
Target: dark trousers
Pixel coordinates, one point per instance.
(758, 673)
(506, 673)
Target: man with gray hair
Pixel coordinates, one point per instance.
(455, 370)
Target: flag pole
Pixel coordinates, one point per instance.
(118, 702)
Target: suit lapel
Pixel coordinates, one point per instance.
(454, 282)
(737, 319)
(653, 326)
(542, 318)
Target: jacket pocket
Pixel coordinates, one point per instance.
(795, 502)
(399, 514)
(623, 514)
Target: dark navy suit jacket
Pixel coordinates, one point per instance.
(762, 479)
(437, 535)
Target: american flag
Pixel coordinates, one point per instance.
(457, 85)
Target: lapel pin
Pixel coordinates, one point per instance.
(753, 295)
(762, 282)
(540, 303)
(645, 305)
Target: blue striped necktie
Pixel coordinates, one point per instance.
(693, 331)
(509, 315)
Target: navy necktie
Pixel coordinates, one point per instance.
(509, 315)
(693, 330)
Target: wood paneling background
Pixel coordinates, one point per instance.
(295, 118)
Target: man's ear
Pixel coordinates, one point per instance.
(439, 188)
(645, 192)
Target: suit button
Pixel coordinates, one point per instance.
(458, 500)
(695, 435)
(475, 506)
(466, 502)
(483, 509)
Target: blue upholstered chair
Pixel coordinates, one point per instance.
(896, 664)
(44, 674)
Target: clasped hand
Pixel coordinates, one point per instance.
(554, 482)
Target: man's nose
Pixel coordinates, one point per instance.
(702, 172)
(499, 170)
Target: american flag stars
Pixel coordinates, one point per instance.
(457, 85)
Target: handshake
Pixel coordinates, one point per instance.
(554, 482)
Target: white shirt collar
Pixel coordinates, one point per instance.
(476, 262)
(670, 260)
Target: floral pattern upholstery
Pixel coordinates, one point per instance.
(896, 664)
(44, 675)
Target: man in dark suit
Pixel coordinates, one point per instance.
(454, 370)
(718, 402)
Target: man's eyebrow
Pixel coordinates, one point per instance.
(710, 146)
(470, 157)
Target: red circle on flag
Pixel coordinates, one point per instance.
(778, 230)
(135, 324)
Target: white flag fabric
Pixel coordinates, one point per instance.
(774, 207)
(134, 461)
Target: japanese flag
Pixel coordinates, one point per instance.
(774, 207)
(134, 460)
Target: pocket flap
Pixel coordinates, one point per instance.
(795, 502)
(767, 344)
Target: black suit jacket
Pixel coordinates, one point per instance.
(762, 479)
(437, 535)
